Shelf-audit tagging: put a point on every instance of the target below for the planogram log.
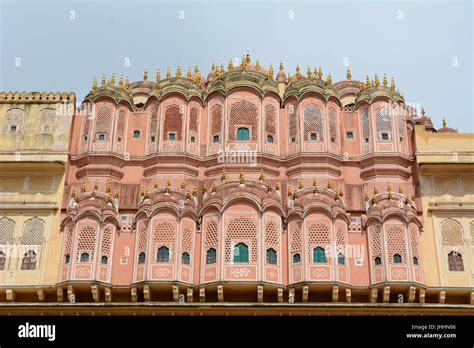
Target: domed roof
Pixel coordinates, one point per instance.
(446, 129)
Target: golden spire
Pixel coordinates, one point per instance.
(117, 194)
(188, 195)
(195, 191)
(367, 82)
(247, 58)
(320, 73)
(244, 62)
(241, 176)
(108, 82)
(167, 187)
(289, 191)
(96, 185)
(257, 66)
(196, 69)
(183, 185)
(277, 186)
(309, 73)
(392, 85)
(281, 66)
(385, 83)
(204, 189)
(94, 85)
(444, 122)
(127, 84)
(270, 72)
(223, 175)
(230, 66)
(188, 75)
(315, 185)
(301, 185)
(376, 80)
(112, 82)
(329, 79)
(103, 80)
(108, 189)
(375, 191)
(145, 76)
(178, 72)
(348, 74)
(413, 196)
(298, 74)
(222, 69)
(121, 81)
(158, 75)
(366, 197)
(217, 71)
(83, 188)
(269, 188)
(329, 184)
(168, 73)
(361, 86)
(214, 189)
(198, 78)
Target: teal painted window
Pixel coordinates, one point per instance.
(397, 258)
(241, 253)
(136, 134)
(341, 259)
(185, 258)
(377, 261)
(319, 255)
(270, 138)
(211, 256)
(171, 136)
(163, 254)
(243, 133)
(313, 137)
(271, 256)
(296, 258)
(101, 137)
(141, 258)
(84, 257)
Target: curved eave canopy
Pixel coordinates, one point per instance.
(113, 93)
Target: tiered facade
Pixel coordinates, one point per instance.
(244, 187)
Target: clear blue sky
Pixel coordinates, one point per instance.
(426, 45)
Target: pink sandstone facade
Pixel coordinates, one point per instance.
(147, 171)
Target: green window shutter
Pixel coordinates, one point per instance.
(243, 134)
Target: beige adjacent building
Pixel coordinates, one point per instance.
(446, 165)
(34, 140)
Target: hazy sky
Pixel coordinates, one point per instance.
(426, 45)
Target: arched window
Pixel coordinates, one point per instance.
(296, 258)
(185, 258)
(385, 136)
(67, 259)
(136, 134)
(211, 256)
(104, 260)
(241, 252)
(141, 258)
(319, 255)
(313, 137)
(377, 261)
(243, 133)
(172, 136)
(3, 260)
(215, 139)
(350, 135)
(29, 260)
(270, 138)
(397, 258)
(415, 260)
(101, 137)
(193, 139)
(163, 254)
(455, 262)
(271, 256)
(341, 260)
(84, 257)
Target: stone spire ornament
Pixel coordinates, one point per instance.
(348, 74)
(145, 76)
